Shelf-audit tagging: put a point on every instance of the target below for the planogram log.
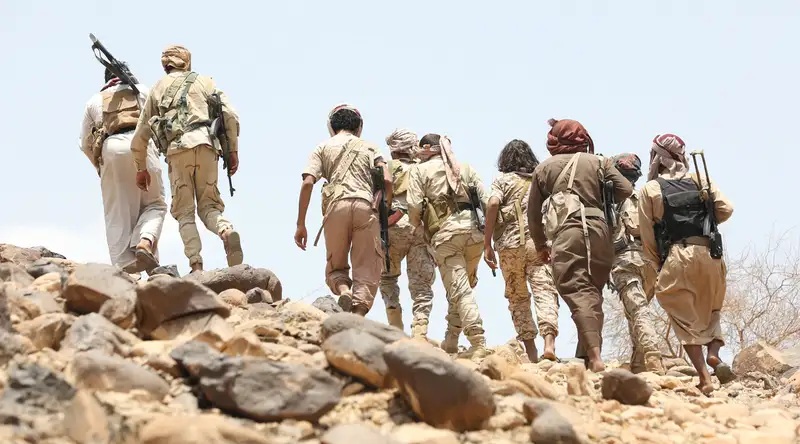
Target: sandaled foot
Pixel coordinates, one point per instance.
(233, 247)
(147, 261)
(724, 373)
(550, 356)
(346, 302)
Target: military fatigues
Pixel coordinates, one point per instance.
(350, 223)
(406, 243)
(191, 157)
(519, 262)
(457, 244)
(634, 283)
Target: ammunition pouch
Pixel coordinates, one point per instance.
(96, 141)
(438, 211)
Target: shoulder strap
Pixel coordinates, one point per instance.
(572, 163)
(169, 96)
(518, 208)
(349, 155)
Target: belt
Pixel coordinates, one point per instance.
(462, 206)
(123, 130)
(693, 240)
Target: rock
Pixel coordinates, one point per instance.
(350, 433)
(547, 425)
(358, 354)
(18, 255)
(346, 321)
(48, 330)
(625, 387)
(5, 315)
(12, 345)
(259, 389)
(684, 370)
(24, 305)
(200, 429)
(536, 385)
(243, 278)
(91, 285)
(85, 421)
(49, 283)
(121, 312)
(327, 304)
(421, 433)
(258, 295)
(42, 267)
(497, 367)
(15, 274)
(94, 332)
(94, 370)
(168, 270)
(233, 297)
(192, 325)
(166, 298)
(441, 392)
(577, 382)
(760, 357)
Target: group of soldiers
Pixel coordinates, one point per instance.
(565, 226)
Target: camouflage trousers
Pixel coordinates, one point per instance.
(521, 267)
(458, 258)
(421, 272)
(635, 284)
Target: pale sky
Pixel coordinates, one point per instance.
(720, 74)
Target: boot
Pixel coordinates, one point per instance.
(196, 267)
(478, 348)
(395, 317)
(652, 363)
(450, 343)
(419, 329)
(233, 247)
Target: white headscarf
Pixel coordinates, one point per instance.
(668, 151)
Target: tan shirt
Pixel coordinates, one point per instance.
(197, 110)
(506, 189)
(356, 182)
(428, 180)
(401, 167)
(587, 186)
(651, 210)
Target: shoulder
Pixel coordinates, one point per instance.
(502, 180)
(650, 189)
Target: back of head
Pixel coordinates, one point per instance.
(402, 142)
(629, 165)
(517, 156)
(176, 57)
(345, 118)
(108, 75)
(568, 136)
(430, 140)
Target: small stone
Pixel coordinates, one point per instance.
(547, 425)
(358, 354)
(350, 433)
(421, 433)
(258, 295)
(625, 387)
(85, 420)
(233, 297)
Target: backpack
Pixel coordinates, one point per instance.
(171, 123)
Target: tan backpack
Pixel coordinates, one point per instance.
(120, 110)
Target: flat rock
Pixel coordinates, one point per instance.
(95, 370)
(535, 384)
(358, 354)
(94, 332)
(441, 392)
(243, 278)
(625, 387)
(345, 321)
(44, 266)
(15, 274)
(327, 304)
(91, 285)
(189, 326)
(167, 298)
(300, 320)
(48, 330)
(85, 421)
(200, 429)
(350, 433)
(25, 304)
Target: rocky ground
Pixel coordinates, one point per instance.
(87, 355)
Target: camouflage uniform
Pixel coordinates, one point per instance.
(519, 263)
(635, 284)
(405, 243)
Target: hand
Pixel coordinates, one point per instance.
(301, 237)
(489, 257)
(233, 164)
(143, 180)
(544, 255)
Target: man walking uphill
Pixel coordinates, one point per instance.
(349, 219)
(570, 186)
(176, 114)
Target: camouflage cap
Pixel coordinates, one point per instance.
(177, 57)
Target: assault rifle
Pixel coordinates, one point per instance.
(218, 132)
(477, 210)
(609, 206)
(710, 229)
(379, 202)
(119, 69)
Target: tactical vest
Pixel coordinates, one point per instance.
(684, 210)
(399, 177)
(173, 108)
(520, 187)
(120, 110)
(436, 211)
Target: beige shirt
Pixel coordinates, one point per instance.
(198, 111)
(587, 187)
(428, 180)
(356, 182)
(651, 210)
(507, 190)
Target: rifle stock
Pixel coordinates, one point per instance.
(379, 202)
(112, 64)
(710, 229)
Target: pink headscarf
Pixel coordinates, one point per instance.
(337, 108)
(451, 166)
(668, 151)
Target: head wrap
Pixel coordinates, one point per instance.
(568, 136)
(451, 166)
(402, 141)
(667, 151)
(177, 57)
(337, 108)
(629, 165)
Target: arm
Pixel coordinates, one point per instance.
(86, 133)
(649, 204)
(723, 208)
(622, 186)
(231, 119)
(630, 215)
(305, 198)
(492, 209)
(535, 198)
(414, 196)
(141, 137)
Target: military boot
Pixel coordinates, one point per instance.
(419, 329)
(478, 348)
(652, 362)
(395, 317)
(450, 343)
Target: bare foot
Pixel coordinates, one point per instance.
(713, 361)
(597, 366)
(705, 388)
(530, 349)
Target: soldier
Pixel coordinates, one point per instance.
(633, 281)
(349, 218)
(569, 185)
(505, 221)
(440, 186)
(134, 218)
(406, 243)
(176, 115)
(691, 281)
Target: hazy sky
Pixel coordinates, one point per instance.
(721, 74)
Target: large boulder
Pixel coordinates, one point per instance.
(91, 285)
(167, 298)
(243, 278)
(760, 357)
(15, 274)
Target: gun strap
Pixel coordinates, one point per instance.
(347, 157)
(518, 208)
(172, 91)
